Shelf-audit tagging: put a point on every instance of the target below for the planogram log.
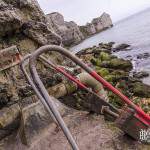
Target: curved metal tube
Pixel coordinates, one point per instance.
(51, 106)
(22, 66)
(65, 52)
(44, 102)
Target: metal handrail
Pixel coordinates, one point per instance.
(44, 102)
(23, 64)
(38, 52)
(49, 104)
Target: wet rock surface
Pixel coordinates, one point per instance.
(121, 47)
(140, 75)
(143, 56)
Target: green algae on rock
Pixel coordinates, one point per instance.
(117, 72)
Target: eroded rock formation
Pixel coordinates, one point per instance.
(69, 31)
(97, 25)
(23, 28)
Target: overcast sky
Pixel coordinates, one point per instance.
(82, 11)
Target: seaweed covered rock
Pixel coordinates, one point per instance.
(117, 72)
(107, 60)
(141, 74)
(117, 63)
(141, 90)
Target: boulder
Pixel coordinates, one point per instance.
(143, 56)
(106, 20)
(117, 63)
(88, 29)
(141, 74)
(76, 33)
(141, 90)
(29, 9)
(121, 47)
(40, 33)
(19, 18)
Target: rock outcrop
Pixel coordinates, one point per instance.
(21, 20)
(69, 31)
(23, 28)
(97, 25)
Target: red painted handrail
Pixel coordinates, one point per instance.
(139, 111)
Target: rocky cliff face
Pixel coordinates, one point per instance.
(97, 25)
(23, 28)
(69, 31)
(24, 19)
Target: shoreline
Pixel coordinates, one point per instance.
(116, 71)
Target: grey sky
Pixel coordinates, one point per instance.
(82, 11)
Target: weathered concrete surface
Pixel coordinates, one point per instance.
(90, 131)
(30, 120)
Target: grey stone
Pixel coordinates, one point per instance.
(97, 25)
(39, 32)
(10, 21)
(69, 31)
